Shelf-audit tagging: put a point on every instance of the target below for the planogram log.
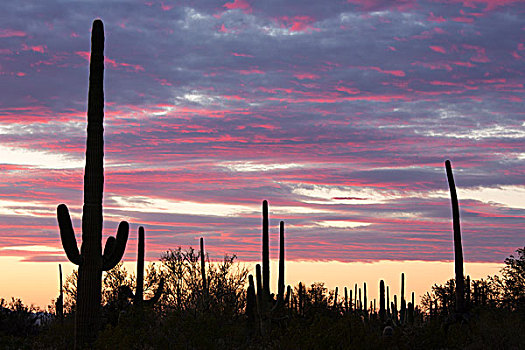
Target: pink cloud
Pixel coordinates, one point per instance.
(439, 49)
(463, 19)
(8, 33)
(251, 71)
(397, 73)
(223, 29)
(298, 23)
(489, 4)
(236, 54)
(302, 76)
(113, 63)
(166, 7)
(239, 4)
(432, 18)
(480, 56)
(35, 48)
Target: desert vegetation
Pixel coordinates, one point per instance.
(186, 301)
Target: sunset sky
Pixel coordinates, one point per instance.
(339, 113)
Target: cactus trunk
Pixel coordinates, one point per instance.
(402, 309)
(280, 283)
(382, 311)
(203, 268)
(139, 292)
(91, 261)
(265, 252)
(458, 248)
(364, 296)
(90, 271)
(59, 305)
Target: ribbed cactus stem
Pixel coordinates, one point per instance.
(139, 292)
(301, 300)
(402, 310)
(260, 304)
(251, 302)
(467, 288)
(59, 305)
(203, 267)
(364, 292)
(265, 251)
(388, 300)
(346, 299)
(382, 310)
(355, 297)
(280, 283)
(91, 260)
(458, 248)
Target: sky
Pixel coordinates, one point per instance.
(339, 113)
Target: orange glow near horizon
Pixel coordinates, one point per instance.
(37, 283)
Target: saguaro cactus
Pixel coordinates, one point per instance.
(402, 310)
(458, 248)
(280, 283)
(91, 261)
(265, 252)
(365, 299)
(59, 304)
(203, 268)
(382, 311)
(251, 303)
(139, 292)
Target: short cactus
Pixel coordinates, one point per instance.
(59, 304)
(382, 311)
(139, 292)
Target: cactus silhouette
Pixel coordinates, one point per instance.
(251, 305)
(280, 283)
(139, 292)
(203, 269)
(382, 311)
(265, 252)
(91, 261)
(59, 304)
(402, 309)
(458, 248)
(364, 299)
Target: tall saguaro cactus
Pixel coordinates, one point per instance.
(265, 252)
(91, 261)
(458, 248)
(280, 282)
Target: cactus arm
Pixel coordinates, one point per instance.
(115, 254)
(67, 235)
(109, 247)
